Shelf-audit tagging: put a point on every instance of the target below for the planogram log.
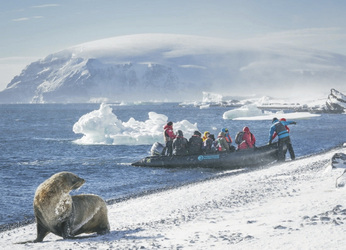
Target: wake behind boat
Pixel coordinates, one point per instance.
(258, 156)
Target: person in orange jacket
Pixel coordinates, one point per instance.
(227, 136)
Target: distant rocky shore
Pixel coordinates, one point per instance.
(334, 104)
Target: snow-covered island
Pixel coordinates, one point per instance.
(175, 68)
(334, 103)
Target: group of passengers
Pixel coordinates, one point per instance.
(177, 144)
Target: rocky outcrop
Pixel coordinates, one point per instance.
(336, 101)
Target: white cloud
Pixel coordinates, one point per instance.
(26, 18)
(21, 19)
(328, 39)
(45, 6)
(193, 66)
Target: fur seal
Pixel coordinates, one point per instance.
(58, 212)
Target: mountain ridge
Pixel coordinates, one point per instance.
(168, 67)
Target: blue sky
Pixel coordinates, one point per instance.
(33, 29)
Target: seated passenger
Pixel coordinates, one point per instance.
(222, 144)
(248, 139)
(180, 144)
(227, 136)
(209, 145)
(205, 135)
(195, 144)
(228, 139)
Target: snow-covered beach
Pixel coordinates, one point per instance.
(87, 87)
(292, 205)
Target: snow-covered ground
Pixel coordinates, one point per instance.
(293, 205)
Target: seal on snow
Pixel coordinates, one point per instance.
(58, 212)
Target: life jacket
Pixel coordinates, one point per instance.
(281, 130)
(227, 136)
(228, 139)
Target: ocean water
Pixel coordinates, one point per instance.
(37, 141)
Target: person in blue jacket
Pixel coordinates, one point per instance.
(284, 137)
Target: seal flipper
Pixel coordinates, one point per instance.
(41, 232)
(103, 231)
(66, 230)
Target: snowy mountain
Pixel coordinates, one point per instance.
(167, 67)
(336, 101)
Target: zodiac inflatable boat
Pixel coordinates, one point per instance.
(258, 156)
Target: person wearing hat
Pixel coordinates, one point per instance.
(209, 146)
(205, 135)
(195, 143)
(284, 137)
(169, 136)
(227, 136)
(287, 128)
(228, 139)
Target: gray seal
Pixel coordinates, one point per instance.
(58, 212)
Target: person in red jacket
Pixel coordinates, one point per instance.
(249, 139)
(169, 136)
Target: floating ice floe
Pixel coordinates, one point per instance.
(251, 112)
(244, 111)
(102, 126)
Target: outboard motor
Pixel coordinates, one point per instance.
(157, 149)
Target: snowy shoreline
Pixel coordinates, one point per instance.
(290, 205)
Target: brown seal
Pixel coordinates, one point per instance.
(58, 212)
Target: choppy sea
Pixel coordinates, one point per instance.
(37, 141)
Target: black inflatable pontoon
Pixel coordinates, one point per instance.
(233, 160)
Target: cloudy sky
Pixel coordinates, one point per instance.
(33, 29)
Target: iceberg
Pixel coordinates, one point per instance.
(242, 112)
(102, 126)
(252, 112)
